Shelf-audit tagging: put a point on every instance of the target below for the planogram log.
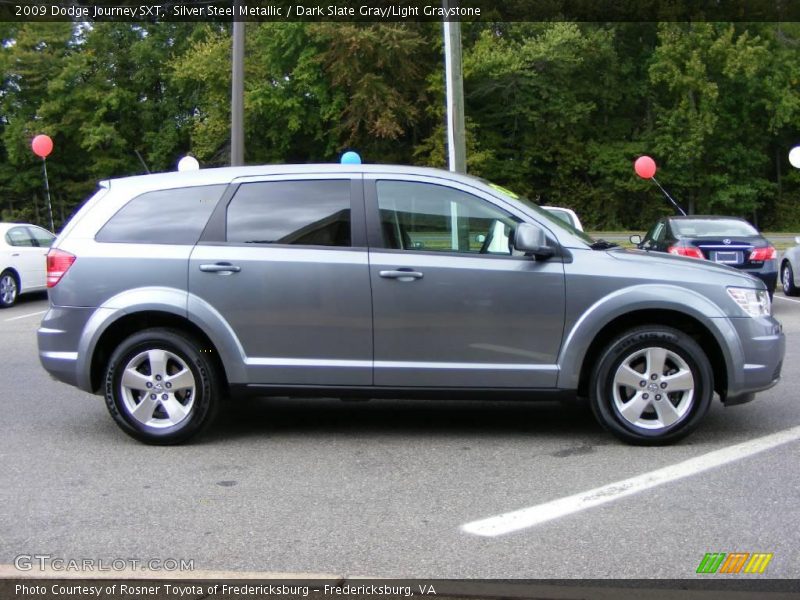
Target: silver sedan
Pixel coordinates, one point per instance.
(790, 266)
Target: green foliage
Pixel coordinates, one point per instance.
(555, 111)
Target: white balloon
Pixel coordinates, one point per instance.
(794, 157)
(188, 163)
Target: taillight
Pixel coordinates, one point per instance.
(686, 251)
(767, 253)
(58, 263)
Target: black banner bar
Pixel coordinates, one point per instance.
(390, 589)
(404, 10)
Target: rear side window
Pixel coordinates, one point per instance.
(310, 213)
(19, 236)
(175, 216)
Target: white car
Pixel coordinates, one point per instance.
(565, 214)
(23, 265)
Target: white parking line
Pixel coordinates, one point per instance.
(541, 513)
(41, 312)
(787, 299)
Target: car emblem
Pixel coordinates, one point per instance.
(726, 241)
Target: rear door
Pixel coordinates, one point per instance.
(284, 263)
(453, 305)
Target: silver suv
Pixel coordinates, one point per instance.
(170, 292)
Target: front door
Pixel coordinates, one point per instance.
(453, 306)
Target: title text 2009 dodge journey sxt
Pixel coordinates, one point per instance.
(169, 292)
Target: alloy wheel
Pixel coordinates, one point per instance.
(158, 388)
(8, 289)
(653, 388)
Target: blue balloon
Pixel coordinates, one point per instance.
(351, 158)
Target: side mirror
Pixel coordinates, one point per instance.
(635, 239)
(531, 240)
(797, 239)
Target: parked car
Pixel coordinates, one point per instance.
(22, 260)
(170, 291)
(790, 265)
(725, 240)
(565, 214)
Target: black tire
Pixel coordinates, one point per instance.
(175, 413)
(616, 404)
(9, 288)
(787, 280)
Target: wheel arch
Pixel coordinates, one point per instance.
(676, 319)
(15, 273)
(131, 323)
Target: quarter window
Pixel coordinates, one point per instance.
(429, 217)
(310, 213)
(42, 237)
(175, 216)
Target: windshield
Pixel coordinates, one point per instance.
(712, 228)
(547, 216)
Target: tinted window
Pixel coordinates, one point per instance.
(19, 236)
(310, 213)
(422, 216)
(163, 217)
(43, 238)
(712, 227)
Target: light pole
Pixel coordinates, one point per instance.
(454, 80)
(237, 90)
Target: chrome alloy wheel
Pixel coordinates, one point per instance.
(158, 388)
(653, 388)
(787, 279)
(8, 289)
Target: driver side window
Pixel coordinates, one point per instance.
(429, 217)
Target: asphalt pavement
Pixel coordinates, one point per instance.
(383, 488)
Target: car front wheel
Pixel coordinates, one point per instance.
(652, 385)
(160, 387)
(9, 289)
(787, 280)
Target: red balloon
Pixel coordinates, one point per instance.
(42, 145)
(645, 167)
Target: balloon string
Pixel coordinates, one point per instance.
(675, 204)
(47, 191)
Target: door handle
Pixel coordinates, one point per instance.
(401, 274)
(15, 254)
(220, 267)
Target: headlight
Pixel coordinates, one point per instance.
(754, 302)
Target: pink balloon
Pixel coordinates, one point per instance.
(645, 167)
(42, 145)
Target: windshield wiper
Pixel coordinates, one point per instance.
(603, 245)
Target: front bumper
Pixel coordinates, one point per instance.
(763, 346)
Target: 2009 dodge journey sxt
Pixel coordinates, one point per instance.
(169, 292)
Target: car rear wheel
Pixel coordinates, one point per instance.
(787, 280)
(652, 385)
(160, 387)
(9, 289)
